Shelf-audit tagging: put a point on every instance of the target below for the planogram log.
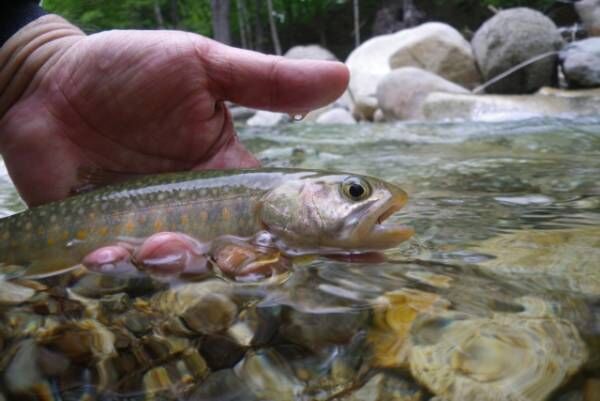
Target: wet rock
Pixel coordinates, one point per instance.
(204, 308)
(81, 341)
(400, 93)
(589, 13)
(395, 313)
(96, 285)
(220, 352)
(23, 376)
(512, 37)
(458, 106)
(264, 118)
(387, 387)
(336, 116)
(440, 49)
(556, 260)
(312, 52)
(459, 357)
(222, 385)
(14, 294)
(317, 328)
(115, 303)
(269, 376)
(580, 62)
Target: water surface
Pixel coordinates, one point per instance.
(496, 297)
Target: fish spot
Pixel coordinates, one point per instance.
(203, 216)
(226, 214)
(103, 231)
(81, 234)
(6, 235)
(28, 225)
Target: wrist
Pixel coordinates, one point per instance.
(31, 51)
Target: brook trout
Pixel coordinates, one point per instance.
(304, 209)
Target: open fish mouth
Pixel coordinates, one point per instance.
(375, 233)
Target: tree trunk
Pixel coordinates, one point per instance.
(242, 23)
(220, 20)
(160, 21)
(411, 14)
(274, 34)
(259, 37)
(356, 13)
(175, 13)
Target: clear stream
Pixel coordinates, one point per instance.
(496, 297)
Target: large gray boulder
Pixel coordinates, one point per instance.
(580, 62)
(311, 52)
(589, 13)
(441, 49)
(510, 38)
(400, 94)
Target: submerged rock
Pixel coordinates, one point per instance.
(508, 357)
(395, 313)
(580, 63)
(512, 37)
(386, 386)
(556, 260)
(440, 49)
(400, 94)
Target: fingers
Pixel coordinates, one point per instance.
(269, 82)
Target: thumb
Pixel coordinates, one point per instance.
(270, 82)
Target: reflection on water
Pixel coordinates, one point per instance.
(497, 297)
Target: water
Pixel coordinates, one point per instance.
(496, 297)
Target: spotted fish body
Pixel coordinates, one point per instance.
(203, 205)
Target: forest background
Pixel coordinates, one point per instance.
(273, 26)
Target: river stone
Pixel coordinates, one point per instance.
(368, 63)
(580, 63)
(264, 118)
(441, 49)
(547, 103)
(510, 38)
(589, 13)
(311, 52)
(336, 116)
(401, 93)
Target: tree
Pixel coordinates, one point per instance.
(220, 20)
(274, 34)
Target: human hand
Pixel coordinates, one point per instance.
(146, 102)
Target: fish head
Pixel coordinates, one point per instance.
(335, 211)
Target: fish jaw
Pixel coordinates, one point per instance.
(372, 233)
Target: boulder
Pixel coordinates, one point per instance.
(264, 118)
(441, 49)
(510, 38)
(546, 103)
(400, 94)
(368, 63)
(336, 116)
(589, 14)
(312, 52)
(580, 62)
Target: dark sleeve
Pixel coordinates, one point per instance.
(15, 14)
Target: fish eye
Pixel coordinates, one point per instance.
(356, 189)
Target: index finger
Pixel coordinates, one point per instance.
(270, 82)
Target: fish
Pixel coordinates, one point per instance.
(308, 211)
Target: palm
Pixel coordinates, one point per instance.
(144, 102)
